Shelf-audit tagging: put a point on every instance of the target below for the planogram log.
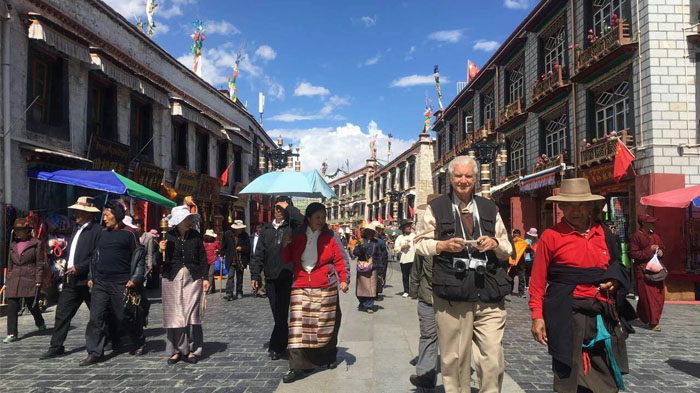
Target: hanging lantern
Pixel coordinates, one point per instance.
(262, 163)
(280, 141)
(269, 166)
(498, 160)
(290, 162)
(471, 154)
(297, 166)
(485, 172)
(504, 156)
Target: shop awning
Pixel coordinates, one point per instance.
(41, 32)
(543, 178)
(681, 198)
(502, 186)
(99, 62)
(56, 153)
(194, 116)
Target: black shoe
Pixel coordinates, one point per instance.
(89, 361)
(294, 375)
(228, 297)
(333, 365)
(426, 381)
(52, 353)
(190, 359)
(174, 360)
(240, 294)
(275, 355)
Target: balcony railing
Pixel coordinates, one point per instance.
(611, 40)
(460, 86)
(484, 131)
(549, 162)
(550, 83)
(603, 150)
(511, 110)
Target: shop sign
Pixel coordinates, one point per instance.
(602, 174)
(208, 188)
(185, 183)
(149, 176)
(107, 155)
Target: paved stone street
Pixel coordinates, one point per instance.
(374, 354)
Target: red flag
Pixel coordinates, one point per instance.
(623, 160)
(473, 70)
(410, 210)
(391, 219)
(224, 176)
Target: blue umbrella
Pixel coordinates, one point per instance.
(109, 181)
(301, 184)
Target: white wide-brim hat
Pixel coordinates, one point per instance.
(178, 215)
(129, 222)
(238, 224)
(210, 232)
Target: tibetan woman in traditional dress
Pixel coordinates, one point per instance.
(184, 284)
(319, 269)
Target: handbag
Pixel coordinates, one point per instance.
(364, 266)
(654, 270)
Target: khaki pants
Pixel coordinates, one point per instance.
(459, 324)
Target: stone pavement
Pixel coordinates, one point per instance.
(374, 353)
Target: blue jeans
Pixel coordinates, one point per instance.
(366, 302)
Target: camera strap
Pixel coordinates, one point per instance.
(477, 224)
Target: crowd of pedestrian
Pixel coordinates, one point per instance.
(456, 258)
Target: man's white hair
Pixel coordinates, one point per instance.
(461, 160)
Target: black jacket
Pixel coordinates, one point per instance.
(189, 253)
(228, 248)
(137, 260)
(268, 252)
(87, 243)
(491, 286)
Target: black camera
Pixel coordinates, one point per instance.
(460, 264)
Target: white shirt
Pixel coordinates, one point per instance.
(309, 257)
(408, 255)
(73, 244)
(255, 241)
(276, 224)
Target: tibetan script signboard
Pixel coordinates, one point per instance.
(149, 175)
(107, 155)
(208, 188)
(186, 183)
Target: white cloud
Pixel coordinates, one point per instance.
(417, 80)
(331, 144)
(369, 21)
(307, 89)
(486, 46)
(129, 9)
(266, 53)
(452, 36)
(168, 13)
(409, 55)
(221, 27)
(325, 113)
(217, 66)
(371, 61)
(516, 4)
(160, 29)
(184, 1)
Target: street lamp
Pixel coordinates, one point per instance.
(279, 158)
(395, 197)
(486, 152)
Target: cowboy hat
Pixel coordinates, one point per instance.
(238, 224)
(405, 222)
(22, 223)
(646, 218)
(210, 233)
(575, 190)
(84, 203)
(129, 222)
(178, 215)
(372, 226)
(377, 225)
(532, 232)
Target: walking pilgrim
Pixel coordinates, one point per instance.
(319, 270)
(184, 283)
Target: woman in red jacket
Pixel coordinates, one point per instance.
(319, 269)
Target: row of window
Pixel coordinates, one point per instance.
(386, 183)
(48, 105)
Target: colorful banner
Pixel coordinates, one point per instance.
(198, 38)
(232, 89)
(150, 10)
(539, 182)
(428, 114)
(437, 86)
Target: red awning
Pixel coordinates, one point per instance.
(674, 198)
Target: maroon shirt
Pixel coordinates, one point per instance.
(640, 243)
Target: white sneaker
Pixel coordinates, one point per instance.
(405, 294)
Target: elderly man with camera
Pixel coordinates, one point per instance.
(466, 236)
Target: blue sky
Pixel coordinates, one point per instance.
(336, 73)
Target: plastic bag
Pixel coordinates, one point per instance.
(654, 265)
(220, 267)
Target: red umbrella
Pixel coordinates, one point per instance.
(681, 197)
